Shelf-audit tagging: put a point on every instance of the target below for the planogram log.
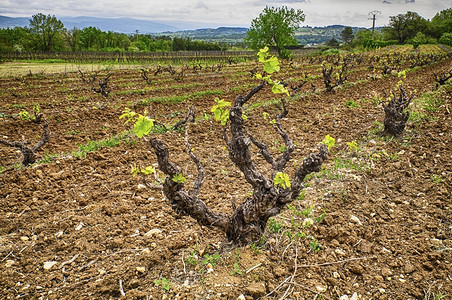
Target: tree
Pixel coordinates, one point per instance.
(347, 35)
(405, 26)
(72, 38)
(91, 38)
(275, 28)
(14, 39)
(333, 43)
(446, 39)
(46, 29)
(442, 23)
(421, 39)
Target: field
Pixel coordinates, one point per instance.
(374, 223)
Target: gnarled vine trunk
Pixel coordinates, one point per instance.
(29, 153)
(247, 222)
(396, 114)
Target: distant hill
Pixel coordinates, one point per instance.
(304, 35)
(121, 25)
(6, 22)
(221, 34)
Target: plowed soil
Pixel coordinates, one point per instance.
(375, 223)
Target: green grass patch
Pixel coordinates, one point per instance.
(424, 106)
(267, 103)
(348, 164)
(92, 146)
(351, 104)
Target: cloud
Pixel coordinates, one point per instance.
(228, 13)
(287, 1)
(201, 5)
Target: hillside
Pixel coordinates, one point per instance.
(305, 35)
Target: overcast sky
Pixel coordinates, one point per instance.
(226, 12)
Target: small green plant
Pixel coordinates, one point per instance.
(274, 226)
(301, 196)
(92, 146)
(192, 259)
(148, 170)
(282, 148)
(320, 218)
(431, 102)
(436, 178)
(164, 283)
(314, 244)
(236, 269)
(2, 169)
(378, 128)
(35, 117)
(24, 115)
(255, 248)
(348, 164)
(211, 259)
(307, 211)
(353, 146)
(137, 170)
(351, 104)
(47, 158)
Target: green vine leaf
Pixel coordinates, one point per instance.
(278, 88)
(220, 112)
(148, 170)
(271, 65)
(127, 113)
(178, 178)
(143, 125)
(263, 54)
(282, 179)
(329, 141)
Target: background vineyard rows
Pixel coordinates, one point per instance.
(110, 236)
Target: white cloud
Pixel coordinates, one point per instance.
(201, 5)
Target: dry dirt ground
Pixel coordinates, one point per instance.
(375, 223)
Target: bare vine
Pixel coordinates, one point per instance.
(29, 153)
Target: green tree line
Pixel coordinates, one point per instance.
(47, 33)
(408, 28)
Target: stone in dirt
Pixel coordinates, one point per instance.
(409, 268)
(256, 289)
(153, 232)
(49, 264)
